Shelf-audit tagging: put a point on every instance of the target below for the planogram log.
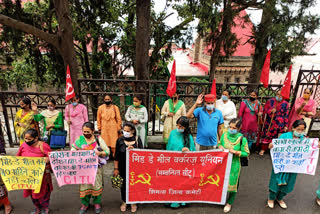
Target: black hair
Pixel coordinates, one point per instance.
(78, 97)
(236, 121)
(310, 89)
(34, 133)
(27, 101)
(109, 95)
(52, 101)
(139, 97)
(254, 91)
(88, 125)
(131, 126)
(227, 90)
(184, 121)
(298, 123)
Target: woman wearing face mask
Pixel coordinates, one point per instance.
(283, 183)
(181, 140)
(250, 110)
(88, 141)
(304, 107)
(138, 115)
(172, 110)
(275, 112)
(52, 119)
(227, 107)
(76, 114)
(24, 119)
(109, 122)
(238, 146)
(129, 140)
(32, 147)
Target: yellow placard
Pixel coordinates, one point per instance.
(22, 172)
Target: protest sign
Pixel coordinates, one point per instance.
(295, 155)
(168, 176)
(74, 167)
(22, 172)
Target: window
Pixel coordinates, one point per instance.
(227, 79)
(237, 80)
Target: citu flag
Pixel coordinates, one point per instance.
(285, 91)
(172, 84)
(213, 88)
(264, 78)
(69, 87)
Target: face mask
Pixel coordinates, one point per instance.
(224, 97)
(298, 134)
(87, 135)
(136, 104)
(210, 107)
(74, 104)
(50, 108)
(278, 99)
(180, 130)
(252, 98)
(233, 131)
(31, 142)
(107, 102)
(22, 107)
(126, 134)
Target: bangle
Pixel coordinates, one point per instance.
(115, 168)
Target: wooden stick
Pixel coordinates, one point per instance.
(270, 123)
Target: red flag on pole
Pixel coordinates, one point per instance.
(172, 85)
(264, 78)
(69, 87)
(213, 88)
(285, 91)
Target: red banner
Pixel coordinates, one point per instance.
(167, 176)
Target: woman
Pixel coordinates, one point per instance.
(52, 119)
(109, 122)
(250, 110)
(180, 139)
(275, 112)
(283, 183)
(87, 141)
(227, 107)
(129, 140)
(138, 115)
(24, 119)
(171, 111)
(33, 147)
(304, 107)
(4, 199)
(238, 146)
(76, 114)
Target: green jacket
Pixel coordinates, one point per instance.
(58, 123)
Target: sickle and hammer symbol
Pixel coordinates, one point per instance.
(210, 180)
(142, 179)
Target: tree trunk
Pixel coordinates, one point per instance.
(142, 39)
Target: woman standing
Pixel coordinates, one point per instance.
(52, 119)
(24, 119)
(138, 115)
(87, 141)
(238, 146)
(129, 140)
(4, 200)
(304, 107)
(250, 110)
(33, 147)
(76, 114)
(180, 139)
(275, 112)
(109, 122)
(227, 107)
(172, 110)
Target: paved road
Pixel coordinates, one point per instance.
(251, 198)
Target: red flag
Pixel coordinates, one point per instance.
(264, 78)
(69, 87)
(213, 88)
(285, 91)
(172, 85)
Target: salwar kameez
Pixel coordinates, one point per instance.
(27, 120)
(4, 200)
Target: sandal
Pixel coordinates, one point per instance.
(318, 201)
(282, 204)
(270, 203)
(83, 209)
(8, 209)
(227, 208)
(97, 208)
(123, 207)
(261, 153)
(134, 208)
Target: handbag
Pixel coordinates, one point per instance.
(116, 181)
(58, 139)
(243, 160)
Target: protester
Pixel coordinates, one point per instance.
(109, 122)
(238, 146)
(76, 114)
(87, 141)
(129, 140)
(250, 110)
(24, 119)
(275, 112)
(181, 140)
(171, 111)
(227, 107)
(304, 108)
(33, 147)
(4, 199)
(283, 183)
(52, 119)
(138, 115)
(210, 122)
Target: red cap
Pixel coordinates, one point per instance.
(209, 98)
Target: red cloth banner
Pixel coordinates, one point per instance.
(155, 176)
(285, 91)
(172, 85)
(264, 78)
(69, 87)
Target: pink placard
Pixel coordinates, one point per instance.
(74, 167)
